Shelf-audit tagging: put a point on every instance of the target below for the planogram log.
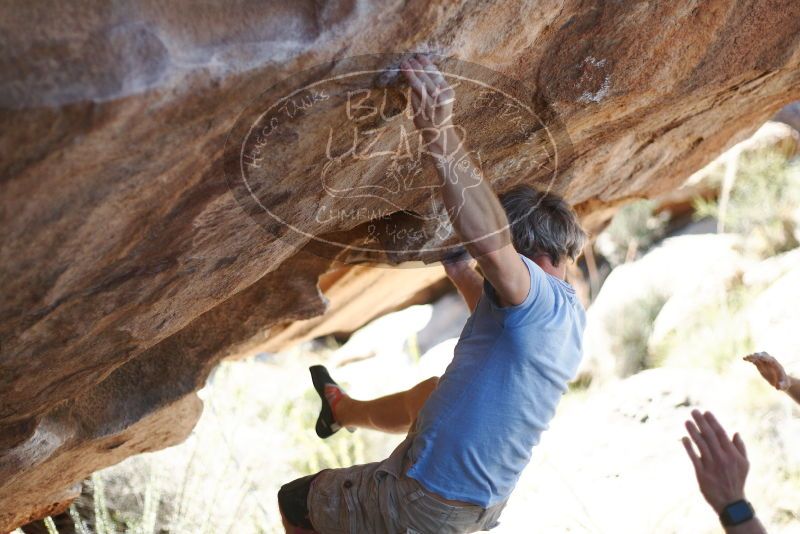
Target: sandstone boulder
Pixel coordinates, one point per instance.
(129, 269)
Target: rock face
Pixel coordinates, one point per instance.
(128, 269)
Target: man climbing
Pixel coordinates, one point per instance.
(470, 432)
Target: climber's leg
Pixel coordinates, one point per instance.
(393, 413)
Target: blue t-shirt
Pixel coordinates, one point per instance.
(476, 432)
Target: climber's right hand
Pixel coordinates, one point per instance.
(432, 100)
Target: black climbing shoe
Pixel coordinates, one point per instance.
(326, 425)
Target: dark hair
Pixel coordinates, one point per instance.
(542, 223)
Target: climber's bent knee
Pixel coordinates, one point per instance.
(293, 502)
(425, 388)
(418, 395)
(431, 383)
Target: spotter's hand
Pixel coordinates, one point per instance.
(770, 369)
(722, 465)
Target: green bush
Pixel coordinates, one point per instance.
(634, 224)
(631, 326)
(762, 204)
(712, 336)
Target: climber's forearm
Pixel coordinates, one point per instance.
(475, 212)
(470, 284)
(480, 221)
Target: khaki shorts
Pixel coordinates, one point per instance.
(378, 498)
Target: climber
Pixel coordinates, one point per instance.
(469, 433)
(773, 372)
